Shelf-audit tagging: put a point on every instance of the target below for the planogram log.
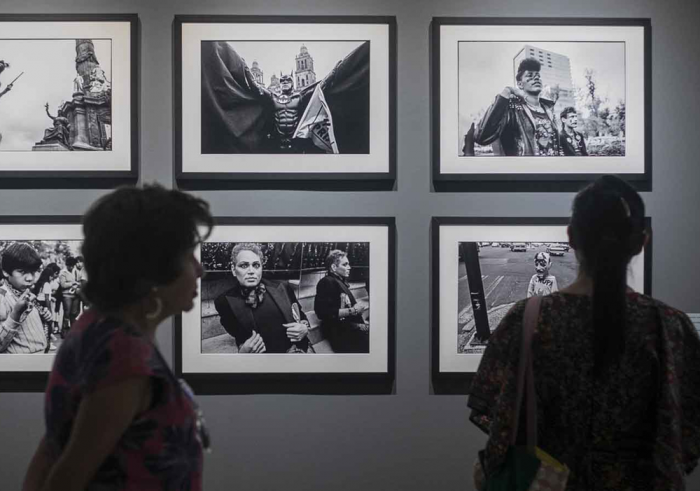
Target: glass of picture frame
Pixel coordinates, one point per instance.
(69, 100)
(26, 358)
(285, 101)
(333, 275)
(481, 266)
(588, 113)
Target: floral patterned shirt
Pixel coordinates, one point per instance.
(160, 449)
(638, 429)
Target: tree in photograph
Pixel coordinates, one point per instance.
(617, 119)
(594, 123)
(553, 93)
(605, 117)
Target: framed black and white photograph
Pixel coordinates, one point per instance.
(540, 104)
(42, 271)
(481, 267)
(68, 100)
(295, 98)
(292, 299)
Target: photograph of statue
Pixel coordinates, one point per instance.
(271, 97)
(285, 297)
(55, 95)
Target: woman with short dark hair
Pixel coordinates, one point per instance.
(340, 312)
(115, 415)
(616, 372)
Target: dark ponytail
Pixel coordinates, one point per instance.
(607, 229)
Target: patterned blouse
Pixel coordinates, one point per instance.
(160, 450)
(638, 429)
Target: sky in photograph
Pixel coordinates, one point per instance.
(276, 56)
(49, 71)
(485, 68)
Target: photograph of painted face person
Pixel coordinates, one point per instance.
(541, 99)
(253, 104)
(285, 297)
(495, 275)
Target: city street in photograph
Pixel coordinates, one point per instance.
(506, 272)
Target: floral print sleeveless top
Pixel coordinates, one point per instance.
(160, 450)
(637, 429)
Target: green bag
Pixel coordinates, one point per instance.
(525, 467)
(517, 472)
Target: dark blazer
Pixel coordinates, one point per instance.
(569, 144)
(350, 335)
(511, 121)
(237, 317)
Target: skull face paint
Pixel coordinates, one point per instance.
(542, 263)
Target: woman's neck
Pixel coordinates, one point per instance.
(133, 315)
(582, 285)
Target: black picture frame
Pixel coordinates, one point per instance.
(124, 164)
(447, 173)
(14, 378)
(379, 167)
(378, 230)
(458, 381)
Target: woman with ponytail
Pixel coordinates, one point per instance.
(617, 373)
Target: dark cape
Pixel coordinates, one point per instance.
(237, 119)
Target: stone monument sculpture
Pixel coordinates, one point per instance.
(57, 137)
(89, 112)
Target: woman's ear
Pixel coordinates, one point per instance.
(646, 237)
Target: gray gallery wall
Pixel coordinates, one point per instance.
(410, 440)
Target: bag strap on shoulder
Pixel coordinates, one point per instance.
(526, 378)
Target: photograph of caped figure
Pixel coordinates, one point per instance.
(541, 99)
(271, 97)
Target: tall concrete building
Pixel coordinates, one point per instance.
(556, 73)
(305, 74)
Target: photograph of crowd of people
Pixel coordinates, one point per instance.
(39, 294)
(285, 297)
(533, 98)
(495, 275)
(55, 95)
(270, 97)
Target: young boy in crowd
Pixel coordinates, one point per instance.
(542, 283)
(21, 325)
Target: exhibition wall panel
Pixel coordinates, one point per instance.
(411, 439)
